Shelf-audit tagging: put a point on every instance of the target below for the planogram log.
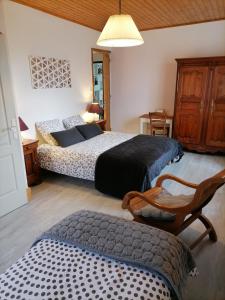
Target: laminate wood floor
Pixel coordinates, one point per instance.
(59, 196)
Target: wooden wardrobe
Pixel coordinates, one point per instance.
(199, 112)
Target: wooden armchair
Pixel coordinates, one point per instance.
(158, 208)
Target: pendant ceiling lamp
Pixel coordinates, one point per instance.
(120, 31)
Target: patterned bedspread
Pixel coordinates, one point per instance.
(55, 270)
(64, 267)
(79, 160)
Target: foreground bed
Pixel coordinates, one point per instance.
(117, 162)
(94, 256)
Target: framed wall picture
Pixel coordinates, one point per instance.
(47, 73)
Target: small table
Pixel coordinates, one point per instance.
(101, 123)
(31, 162)
(144, 122)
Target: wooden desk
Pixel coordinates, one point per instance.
(144, 124)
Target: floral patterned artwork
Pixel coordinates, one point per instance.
(50, 72)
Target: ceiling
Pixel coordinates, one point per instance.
(148, 14)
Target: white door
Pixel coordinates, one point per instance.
(12, 172)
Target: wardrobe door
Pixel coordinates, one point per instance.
(215, 135)
(190, 103)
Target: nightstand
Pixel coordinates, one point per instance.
(101, 123)
(31, 162)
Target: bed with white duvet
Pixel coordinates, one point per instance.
(79, 160)
(117, 162)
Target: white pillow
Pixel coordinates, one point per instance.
(46, 127)
(73, 121)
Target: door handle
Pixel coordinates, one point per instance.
(7, 129)
(3, 130)
(13, 129)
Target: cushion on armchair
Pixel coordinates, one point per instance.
(154, 213)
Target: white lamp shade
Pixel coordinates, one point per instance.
(120, 31)
(89, 117)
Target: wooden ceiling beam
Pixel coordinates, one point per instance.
(148, 14)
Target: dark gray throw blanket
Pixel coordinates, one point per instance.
(133, 243)
(132, 165)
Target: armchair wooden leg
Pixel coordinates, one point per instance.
(209, 231)
(208, 225)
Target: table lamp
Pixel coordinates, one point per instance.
(23, 126)
(95, 109)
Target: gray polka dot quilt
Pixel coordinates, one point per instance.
(86, 256)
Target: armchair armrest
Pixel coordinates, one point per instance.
(150, 199)
(174, 178)
(148, 194)
(220, 174)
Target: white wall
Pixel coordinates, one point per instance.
(2, 26)
(143, 78)
(31, 32)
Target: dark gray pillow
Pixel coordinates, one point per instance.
(89, 130)
(68, 137)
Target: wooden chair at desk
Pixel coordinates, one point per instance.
(158, 125)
